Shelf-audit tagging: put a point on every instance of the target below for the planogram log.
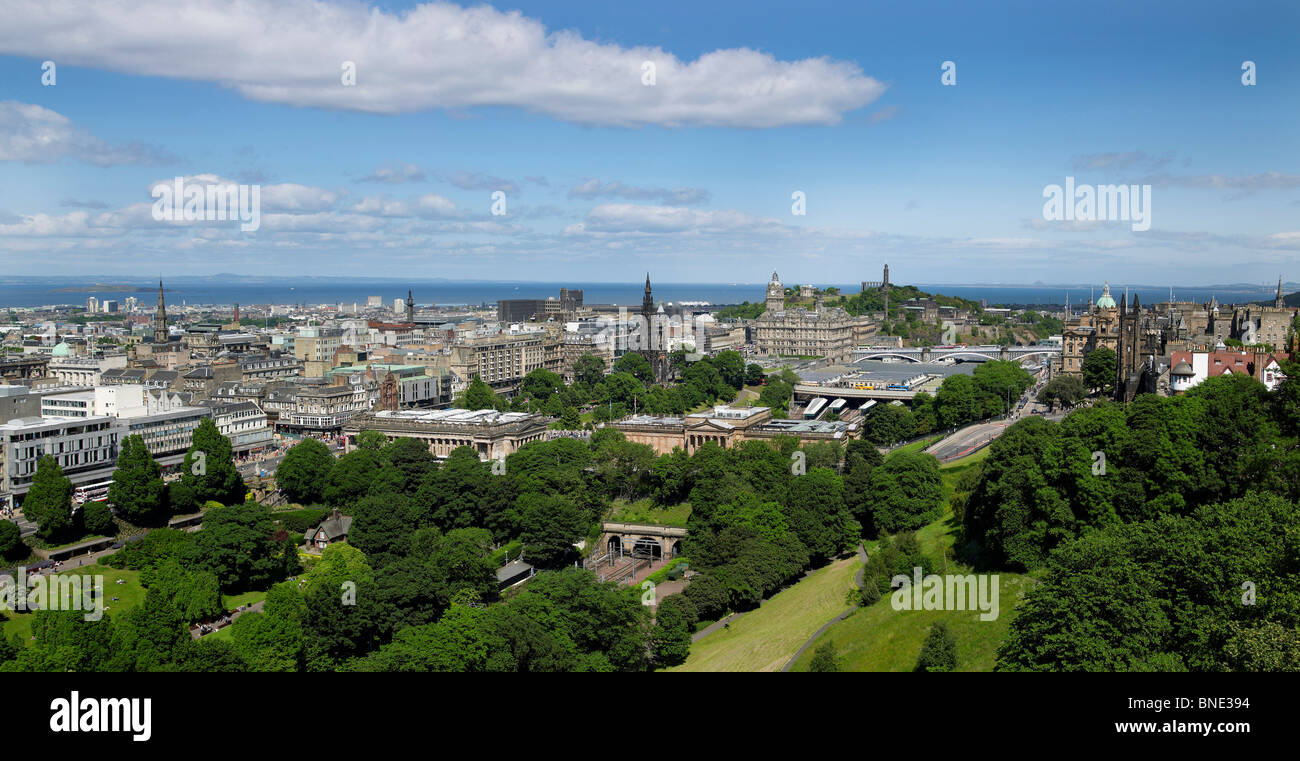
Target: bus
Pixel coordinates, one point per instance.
(90, 492)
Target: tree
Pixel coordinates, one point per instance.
(589, 369)
(372, 440)
(97, 518)
(209, 467)
(10, 539)
(731, 367)
(49, 500)
(753, 374)
(1099, 368)
(1065, 390)
(237, 545)
(381, 528)
(550, 524)
(816, 513)
(412, 459)
(939, 652)
(825, 658)
(708, 595)
(138, 490)
(570, 419)
(305, 470)
(350, 478)
(479, 396)
(906, 492)
(670, 639)
(635, 364)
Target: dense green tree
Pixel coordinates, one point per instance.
(381, 528)
(412, 459)
(589, 369)
(1099, 367)
(97, 518)
(635, 364)
(212, 656)
(372, 440)
(479, 396)
(138, 491)
(49, 500)
(212, 474)
(305, 470)
(905, 493)
(889, 424)
(550, 525)
(237, 545)
(708, 595)
(670, 640)
(753, 374)
(350, 478)
(1063, 391)
(11, 540)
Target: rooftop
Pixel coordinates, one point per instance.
(476, 417)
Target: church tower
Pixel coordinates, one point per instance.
(410, 308)
(775, 295)
(160, 334)
(1277, 301)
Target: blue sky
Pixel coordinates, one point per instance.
(692, 178)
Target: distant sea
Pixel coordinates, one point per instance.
(32, 292)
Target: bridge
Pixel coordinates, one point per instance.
(642, 539)
(968, 354)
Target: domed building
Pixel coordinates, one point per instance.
(1097, 328)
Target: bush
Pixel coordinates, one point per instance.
(300, 521)
(709, 596)
(507, 553)
(825, 658)
(939, 653)
(98, 518)
(10, 539)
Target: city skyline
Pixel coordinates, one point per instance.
(605, 174)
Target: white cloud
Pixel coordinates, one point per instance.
(35, 134)
(436, 55)
(677, 196)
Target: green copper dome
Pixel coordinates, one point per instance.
(1106, 302)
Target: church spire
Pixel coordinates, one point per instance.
(1277, 300)
(160, 334)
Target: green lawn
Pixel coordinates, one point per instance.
(247, 598)
(880, 638)
(130, 594)
(764, 639)
(645, 511)
(917, 446)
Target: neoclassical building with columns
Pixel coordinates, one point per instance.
(727, 427)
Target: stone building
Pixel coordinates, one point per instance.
(494, 435)
(828, 332)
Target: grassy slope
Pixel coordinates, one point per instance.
(880, 638)
(764, 639)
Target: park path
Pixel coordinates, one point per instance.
(254, 608)
(857, 578)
